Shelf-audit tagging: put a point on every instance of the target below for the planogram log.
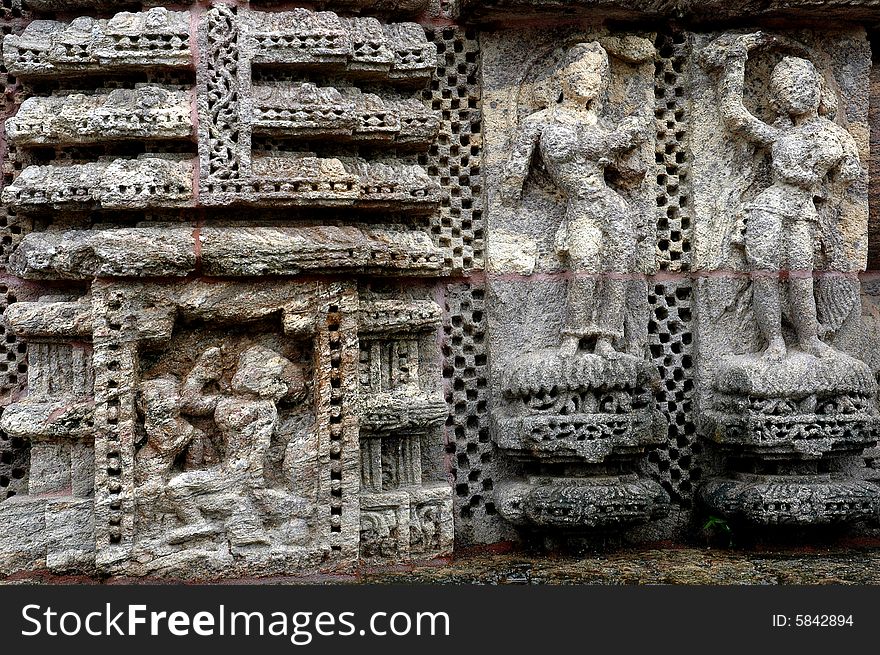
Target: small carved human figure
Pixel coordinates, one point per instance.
(599, 233)
(162, 402)
(246, 420)
(781, 222)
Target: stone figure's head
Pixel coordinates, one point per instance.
(796, 86)
(585, 73)
(264, 373)
(160, 397)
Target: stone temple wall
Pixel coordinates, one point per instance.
(308, 287)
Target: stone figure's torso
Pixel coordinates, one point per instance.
(572, 153)
(813, 148)
(246, 424)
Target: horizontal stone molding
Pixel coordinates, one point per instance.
(128, 41)
(391, 316)
(145, 113)
(223, 251)
(704, 11)
(49, 319)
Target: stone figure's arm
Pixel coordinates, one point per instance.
(849, 168)
(726, 59)
(518, 164)
(631, 132)
(183, 435)
(207, 369)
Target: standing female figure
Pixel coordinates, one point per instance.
(781, 222)
(598, 234)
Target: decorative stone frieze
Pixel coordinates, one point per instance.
(294, 288)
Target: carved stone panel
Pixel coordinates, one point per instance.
(295, 288)
(206, 400)
(571, 239)
(780, 202)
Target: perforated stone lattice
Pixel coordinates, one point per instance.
(673, 206)
(469, 444)
(12, 227)
(669, 328)
(454, 160)
(671, 343)
(14, 454)
(12, 10)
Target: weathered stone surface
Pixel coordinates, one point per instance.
(388, 316)
(310, 111)
(792, 201)
(306, 38)
(779, 500)
(573, 389)
(582, 503)
(121, 184)
(145, 113)
(127, 41)
(242, 357)
(55, 534)
(691, 10)
(48, 319)
(35, 420)
(288, 251)
(307, 180)
(130, 252)
(162, 252)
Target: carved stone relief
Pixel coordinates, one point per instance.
(784, 393)
(299, 289)
(186, 426)
(568, 256)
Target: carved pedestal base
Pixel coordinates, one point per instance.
(795, 500)
(793, 420)
(578, 503)
(578, 425)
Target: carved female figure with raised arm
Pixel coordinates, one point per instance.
(781, 222)
(598, 233)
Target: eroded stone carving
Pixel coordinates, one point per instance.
(146, 112)
(598, 234)
(220, 433)
(226, 485)
(118, 184)
(214, 449)
(236, 44)
(126, 41)
(788, 394)
(307, 110)
(52, 525)
(403, 511)
(223, 251)
(259, 368)
(578, 415)
(780, 224)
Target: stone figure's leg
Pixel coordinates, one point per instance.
(585, 240)
(185, 493)
(801, 236)
(581, 304)
(245, 524)
(618, 250)
(763, 251)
